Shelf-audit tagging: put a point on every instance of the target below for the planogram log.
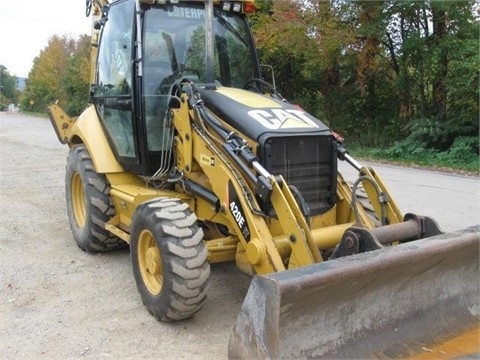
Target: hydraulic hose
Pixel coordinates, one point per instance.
(380, 196)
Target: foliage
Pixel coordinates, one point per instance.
(464, 149)
(60, 72)
(8, 88)
(379, 71)
(77, 78)
(398, 76)
(462, 155)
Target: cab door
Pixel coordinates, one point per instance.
(112, 92)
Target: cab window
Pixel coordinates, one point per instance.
(113, 91)
(174, 48)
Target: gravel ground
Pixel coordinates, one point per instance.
(58, 302)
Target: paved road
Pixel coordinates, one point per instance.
(58, 302)
(453, 200)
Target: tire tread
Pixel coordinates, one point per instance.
(184, 256)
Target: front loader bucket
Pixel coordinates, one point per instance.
(390, 303)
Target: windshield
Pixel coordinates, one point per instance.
(174, 46)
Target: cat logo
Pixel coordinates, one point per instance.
(275, 119)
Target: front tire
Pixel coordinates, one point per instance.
(89, 205)
(169, 259)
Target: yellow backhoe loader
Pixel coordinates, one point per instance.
(189, 157)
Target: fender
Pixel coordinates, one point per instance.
(88, 130)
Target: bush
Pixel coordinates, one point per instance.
(464, 150)
(462, 155)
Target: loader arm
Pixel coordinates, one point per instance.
(224, 162)
(304, 249)
(235, 209)
(248, 182)
(382, 201)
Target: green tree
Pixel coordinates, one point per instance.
(77, 77)
(435, 47)
(44, 82)
(378, 71)
(8, 88)
(282, 40)
(60, 72)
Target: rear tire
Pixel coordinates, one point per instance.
(89, 205)
(169, 259)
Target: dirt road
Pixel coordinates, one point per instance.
(58, 302)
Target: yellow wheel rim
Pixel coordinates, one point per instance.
(150, 262)
(78, 200)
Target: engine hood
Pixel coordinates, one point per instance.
(257, 115)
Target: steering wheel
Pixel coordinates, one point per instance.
(88, 9)
(180, 72)
(177, 77)
(262, 87)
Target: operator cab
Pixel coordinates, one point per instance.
(133, 84)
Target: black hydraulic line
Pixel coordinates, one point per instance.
(196, 102)
(381, 197)
(231, 151)
(236, 147)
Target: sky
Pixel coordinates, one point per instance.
(27, 25)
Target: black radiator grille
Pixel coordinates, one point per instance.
(308, 163)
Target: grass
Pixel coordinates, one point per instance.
(466, 164)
